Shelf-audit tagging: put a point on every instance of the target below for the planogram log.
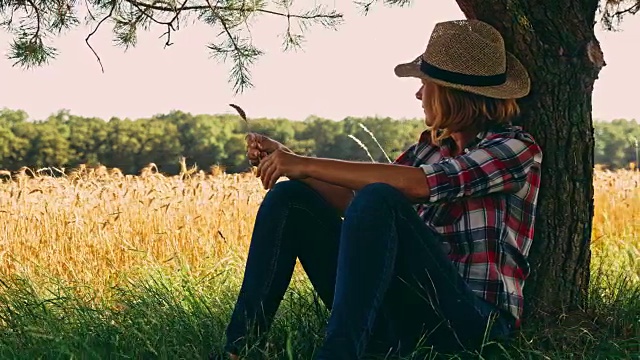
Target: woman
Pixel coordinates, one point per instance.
(434, 245)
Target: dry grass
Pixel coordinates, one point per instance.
(95, 227)
(616, 225)
(94, 230)
(105, 236)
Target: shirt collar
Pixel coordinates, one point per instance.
(445, 148)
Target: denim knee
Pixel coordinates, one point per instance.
(374, 195)
(289, 190)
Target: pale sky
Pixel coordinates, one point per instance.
(338, 74)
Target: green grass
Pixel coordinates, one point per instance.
(179, 316)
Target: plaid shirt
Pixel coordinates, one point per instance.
(483, 202)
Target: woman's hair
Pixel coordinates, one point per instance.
(454, 110)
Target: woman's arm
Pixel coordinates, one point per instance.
(260, 146)
(351, 175)
(501, 165)
(411, 181)
(339, 197)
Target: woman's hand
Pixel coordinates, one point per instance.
(259, 146)
(281, 163)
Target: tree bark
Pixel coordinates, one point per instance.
(555, 41)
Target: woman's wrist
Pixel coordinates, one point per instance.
(284, 148)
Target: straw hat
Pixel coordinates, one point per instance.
(470, 55)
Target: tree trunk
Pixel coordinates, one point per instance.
(555, 41)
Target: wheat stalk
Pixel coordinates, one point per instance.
(242, 114)
(376, 140)
(362, 146)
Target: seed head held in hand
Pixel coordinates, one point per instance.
(242, 114)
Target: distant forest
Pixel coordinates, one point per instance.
(66, 140)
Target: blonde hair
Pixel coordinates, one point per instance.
(453, 110)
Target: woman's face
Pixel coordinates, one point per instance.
(423, 96)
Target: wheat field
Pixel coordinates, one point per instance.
(615, 239)
(96, 230)
(92, 228)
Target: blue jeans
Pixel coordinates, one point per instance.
(381, 272)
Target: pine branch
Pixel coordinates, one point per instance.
(305, 16)
(242, 52)
(365, 6)
(28, 48)
(86, 40)
(38, 20)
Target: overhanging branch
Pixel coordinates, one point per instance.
(243, 9)
(86, 40)
(130, 16)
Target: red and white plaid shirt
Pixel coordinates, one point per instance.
(483, 202)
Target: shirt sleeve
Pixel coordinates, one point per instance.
(500, 165)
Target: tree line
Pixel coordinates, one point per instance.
(67, 140)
